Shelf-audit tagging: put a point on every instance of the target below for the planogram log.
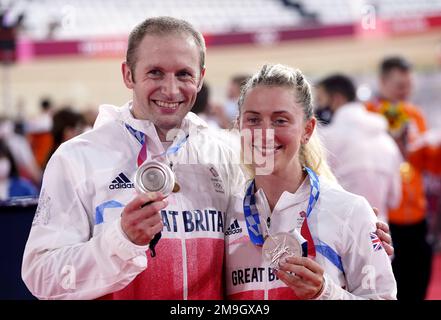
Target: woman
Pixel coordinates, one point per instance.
(297, 200)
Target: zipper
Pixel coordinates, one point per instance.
(183, 249)
(184, 270)
(265, 289)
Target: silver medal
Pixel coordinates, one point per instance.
(154, 176)
(280, 246)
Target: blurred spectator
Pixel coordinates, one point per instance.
(11, 184)
(67, 124)
(210, 113)
(43, 121)
(89, 115)
(298, 6)
(203, 108)
(21, 150)
(39, 132)
(231, 109)
(323, 114)
(413, 254)
(8, 36)
(20, 111)
(362, 155)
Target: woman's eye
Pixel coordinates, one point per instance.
(252, 120)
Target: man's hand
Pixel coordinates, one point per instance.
(383, 234)
(140, 224)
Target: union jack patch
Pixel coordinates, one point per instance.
(376, 242)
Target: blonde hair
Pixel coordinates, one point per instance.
(311, 154)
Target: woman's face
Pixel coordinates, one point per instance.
(275, 124)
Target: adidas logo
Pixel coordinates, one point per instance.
(234, 228)
(121, 182)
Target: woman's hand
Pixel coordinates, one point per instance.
(303, 275)
(384, 234)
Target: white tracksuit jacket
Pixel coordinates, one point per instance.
(341, 223)
(77, 249)
(364, 157)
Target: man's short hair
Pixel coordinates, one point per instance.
(162, 26)
(341, 84)
(394, 63)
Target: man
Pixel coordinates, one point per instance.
(91, 233)
(364, 158)
(413, 256)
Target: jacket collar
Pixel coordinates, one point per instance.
(124, 115)
(191, 124)
(286, 200)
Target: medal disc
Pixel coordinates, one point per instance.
(280, 246)
(154, 176)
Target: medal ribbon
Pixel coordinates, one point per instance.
(252, 214)
(142, 139)
(313, 197)
(142, 156)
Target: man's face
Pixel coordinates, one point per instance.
(166, 80)
(396, 85)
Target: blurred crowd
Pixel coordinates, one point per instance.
(27, 144)
(382, 149)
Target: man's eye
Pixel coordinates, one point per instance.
(184, 74)
(154, 73)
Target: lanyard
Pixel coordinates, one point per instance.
(142, 139)
(142, 156)
(252, 215)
